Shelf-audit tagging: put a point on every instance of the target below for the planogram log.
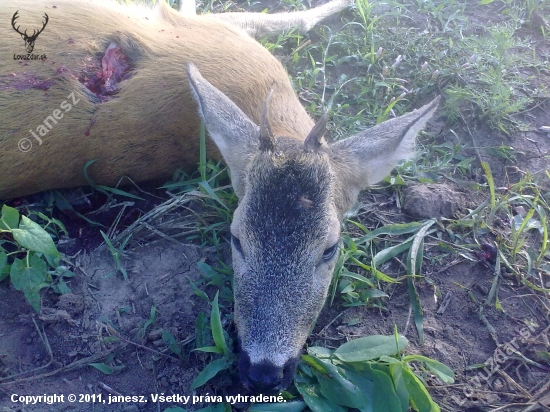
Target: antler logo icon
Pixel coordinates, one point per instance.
(29, 40)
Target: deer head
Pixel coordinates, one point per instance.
(29, 40)
(285, 232)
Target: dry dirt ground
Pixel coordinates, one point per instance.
(105, 316)
(69, 333)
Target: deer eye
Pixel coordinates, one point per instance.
(329, 253)
(237, 244)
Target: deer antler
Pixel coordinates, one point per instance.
(34, 33)
(15, 17)
(43, 25)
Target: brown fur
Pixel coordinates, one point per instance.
(151, 127)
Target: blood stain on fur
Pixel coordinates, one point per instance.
(103, 79)
(24, 81)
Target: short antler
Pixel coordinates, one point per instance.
(313, 139)
(267, 141)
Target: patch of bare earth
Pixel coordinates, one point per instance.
(51, 352)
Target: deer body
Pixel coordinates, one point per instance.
(293, 187)
(150, 127)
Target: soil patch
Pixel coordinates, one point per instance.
(78, 329)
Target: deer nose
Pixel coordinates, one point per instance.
(265, 377)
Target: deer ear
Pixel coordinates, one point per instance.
(236, 136)
(366, 158)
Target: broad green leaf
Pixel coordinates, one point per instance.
(171, 342)
(389, 360)
(439, 369)
(106, 369)
(28, 273)
(33, 237)
(319, 351)
(419, 397)
(483, 2)
(9, 218)
(396, 371)
(62, 288)
(54, 263)
(3, 265)
(336, 387)
(384, 396)
(211, 370)
(370, 347)
(33, 297)
(365, 384)
(216, 325)
(315, 363)
(312, 396)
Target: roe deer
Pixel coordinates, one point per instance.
(114, 87)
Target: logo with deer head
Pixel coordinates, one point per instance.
(29, 39)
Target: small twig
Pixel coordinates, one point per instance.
(444, 303)
(109, 389)
(163, 235)
(46, 343)
(322, 332)
(510, 405)
(512, 382)
(75, 365)
(542, 391)
(118, 335)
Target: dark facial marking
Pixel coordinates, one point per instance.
(287, 208)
